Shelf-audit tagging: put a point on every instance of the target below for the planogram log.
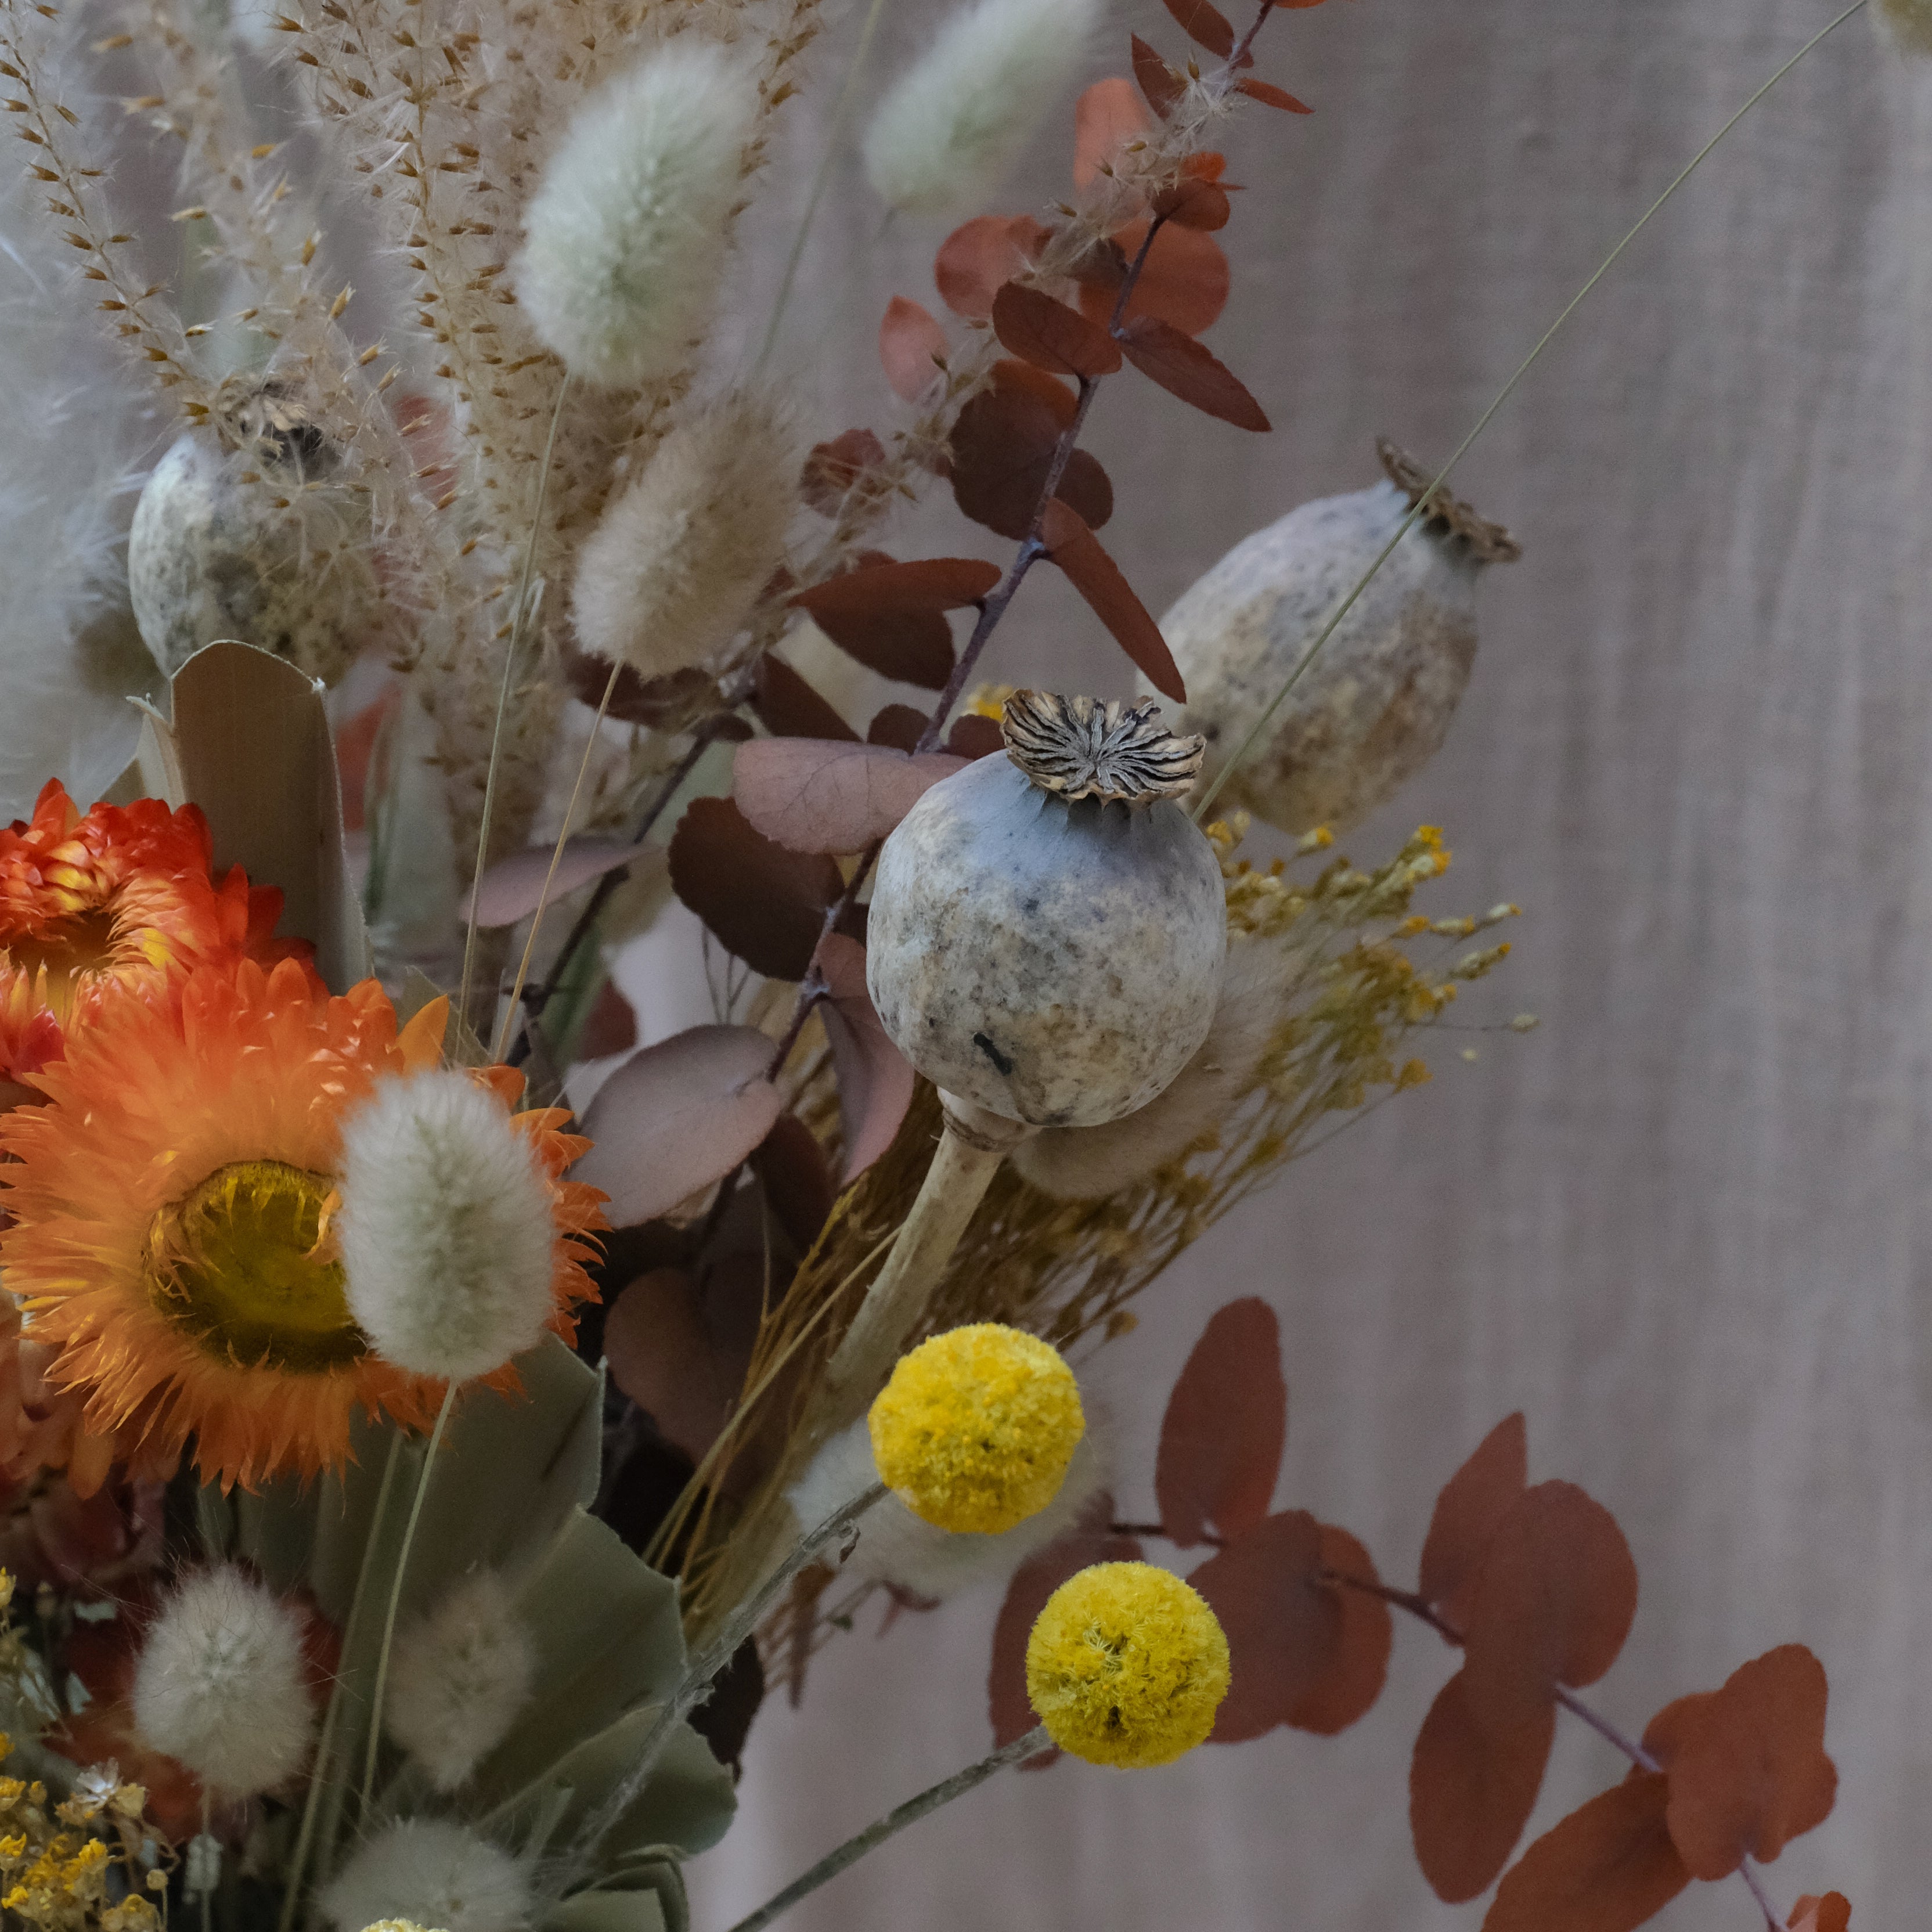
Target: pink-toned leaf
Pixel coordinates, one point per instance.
(1184, 280)
(1471, 1787)
(675, 1117)
(1108, 116)
(1097, 577)
(1282, 1628)
(875, 1079)
(1195, 203)
(1609, 1866)
(831, 469)
(1183, 368)
(912, 345)
(788, 706)
(1469, 1513)
(823, 795)
(1831, 1913)
(1226, 1423)
(977, 257)
(510, 889)
(762, 901)
(1051, 336)
(1033, 1581)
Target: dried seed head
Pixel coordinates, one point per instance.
(1375, 706)
(219, 1684)
(1081, 748)
(678, 560)
(433, 1874)
(461, 1673)
(625, 237)
(1055, 959)
(949, 126)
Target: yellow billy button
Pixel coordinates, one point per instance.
(976, 1426)
(1127, 1666)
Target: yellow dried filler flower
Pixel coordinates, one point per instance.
(1127, 1666)
(976, 1428)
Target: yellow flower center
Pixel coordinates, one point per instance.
(242, 1268)
(79, 945)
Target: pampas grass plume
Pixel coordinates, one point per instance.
(433, 1874)
(446, 1228)
(678, 560)
(950, 125)
(219, 1684)
(461, 1673)
(625, 237)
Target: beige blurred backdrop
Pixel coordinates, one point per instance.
(1685, 1224)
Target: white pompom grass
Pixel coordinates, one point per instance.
(625, 237)
(448, 1246)
(220, 1683)
(464, 1671)
(948, 126)
(433, 1874)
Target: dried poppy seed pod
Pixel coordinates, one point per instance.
(254, 533)
(1375, 706)
(1047, 930)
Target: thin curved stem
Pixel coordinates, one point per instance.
(518, 618)
(876, 1834)
(1508, 389)
(396, 1598)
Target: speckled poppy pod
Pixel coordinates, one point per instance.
(1374, 707)
(1048, 931)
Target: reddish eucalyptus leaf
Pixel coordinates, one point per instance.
(1831, 1913)
(510, 889)
(1226, 1423)
(1748, 1773)
(1554, 1602)
(1609, 1866)
(890, 589)
(1195, 203)
(831, 469)
(1184, 280)
(1158, 82)
(875, 1079)
(977, 258)
(796, 1179)
(1183, 368)
(1106, 118)
(761, 902)
(1011, 377)
(658, 1353)
(823, 795)
(1468, 1512)
(1202, 25)
(974, 737)
(916, 649)
(1033, 1581)
(912, 345)
(1097, 577)
(1283, 1628)
(611, 1027)
(676, 1117)
(1051, 336)
(899, 727)
(1268, 94)
(1472, 1788)
(1003, 447)
(1207, 166)
(789, 707)
(1357, 1664)
(1663, 1736)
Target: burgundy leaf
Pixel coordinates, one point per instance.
(1467, 1514)
(831, 469)
(974, 737)
(1003, 447)
(796, 1179)
(1270, 95)
(510, 889)
(1183, 281)
(1472, 1788)
(1226, 1423)
(1201, 24)
(763, 903)
(676, 1117)
(1158, 82)
(1358, 1663)
(1097, 577)
(789, 707)
(890, 589)
(1051, 336)
(825, 795)
(1609, 1866)
(658, 1355)
(875, 1079)
(611, 1027)
(1183, 368)
(900, 727)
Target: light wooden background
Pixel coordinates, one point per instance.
(1685, 1224)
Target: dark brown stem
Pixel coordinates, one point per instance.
(1238, 58)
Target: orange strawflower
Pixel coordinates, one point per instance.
(171, 1210)
(125, 895)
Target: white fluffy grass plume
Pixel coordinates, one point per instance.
(625, 237)
(446, 1229)
(678, 560)
(948, 127)
(1089, 1163)
(461, 1672)
(432, 1874)
(220, 1684)
(895, 1546)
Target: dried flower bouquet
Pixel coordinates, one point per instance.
(431, 1416)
